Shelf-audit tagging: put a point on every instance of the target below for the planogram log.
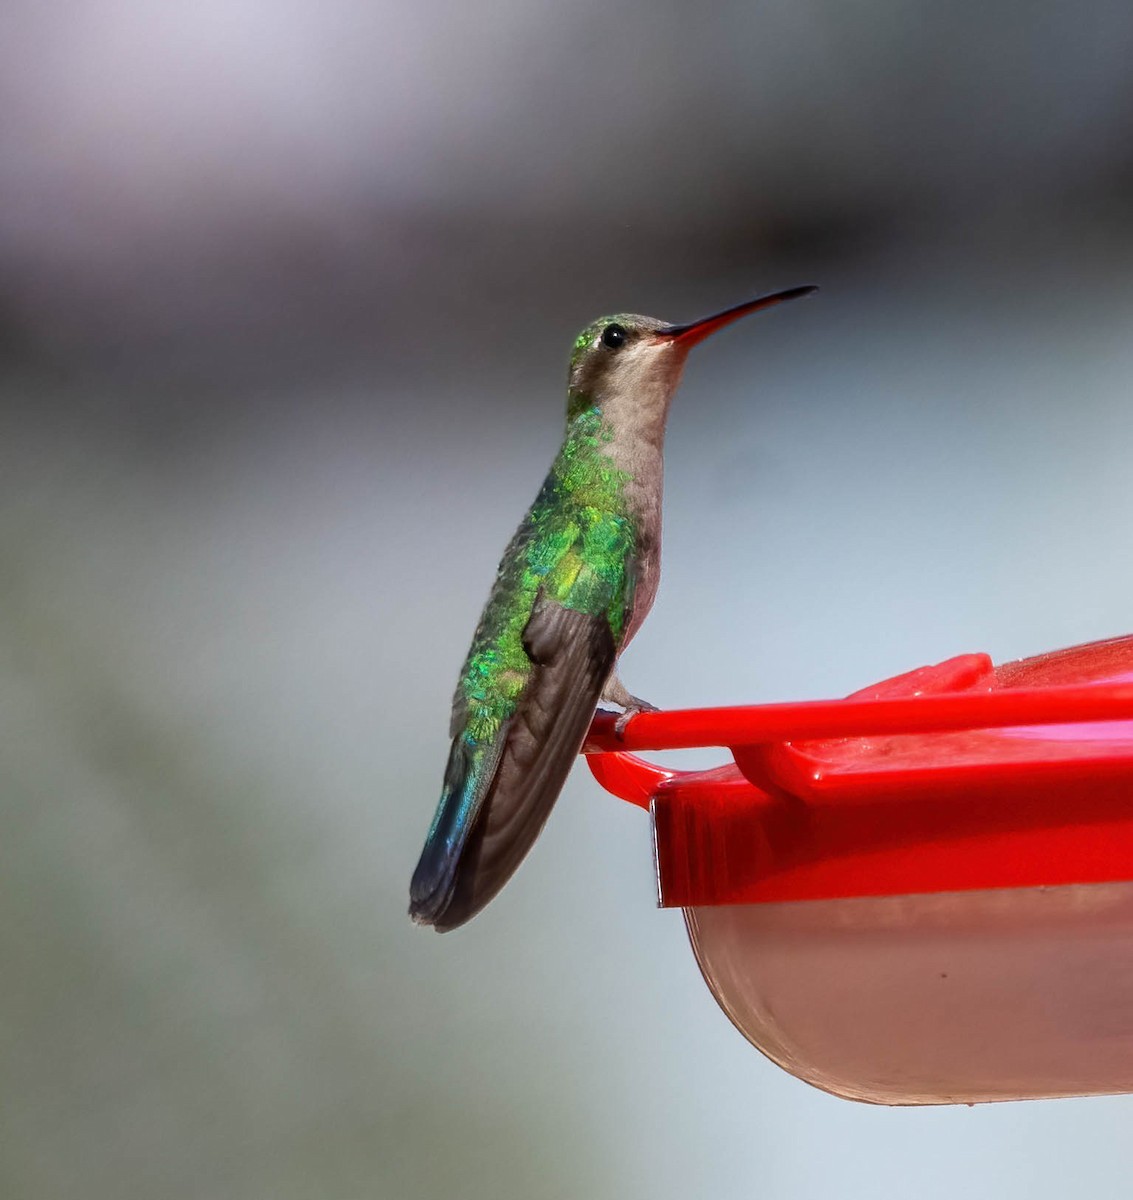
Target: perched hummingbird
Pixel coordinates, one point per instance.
(574, 586)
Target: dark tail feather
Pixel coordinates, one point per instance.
(467, 776)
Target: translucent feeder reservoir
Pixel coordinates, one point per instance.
(922, 894)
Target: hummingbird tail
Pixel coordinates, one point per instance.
(467, 776)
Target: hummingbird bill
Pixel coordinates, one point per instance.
(574, 585)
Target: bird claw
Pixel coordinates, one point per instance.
(638, 706)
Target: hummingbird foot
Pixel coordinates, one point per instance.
(615, 693)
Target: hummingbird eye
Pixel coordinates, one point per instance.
(613, 336)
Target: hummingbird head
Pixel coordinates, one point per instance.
(630, 365)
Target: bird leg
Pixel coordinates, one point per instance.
(615, 693)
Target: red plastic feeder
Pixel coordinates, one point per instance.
(921, 894)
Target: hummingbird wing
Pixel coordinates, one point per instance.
(497, 796)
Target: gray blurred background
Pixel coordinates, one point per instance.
(286, 295)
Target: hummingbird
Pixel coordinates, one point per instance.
(574, 585)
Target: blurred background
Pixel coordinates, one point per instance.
(286, 296)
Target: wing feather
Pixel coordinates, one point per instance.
(572, 654)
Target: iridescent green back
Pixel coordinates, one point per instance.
(575, 545)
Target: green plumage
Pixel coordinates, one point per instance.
(574, 546)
